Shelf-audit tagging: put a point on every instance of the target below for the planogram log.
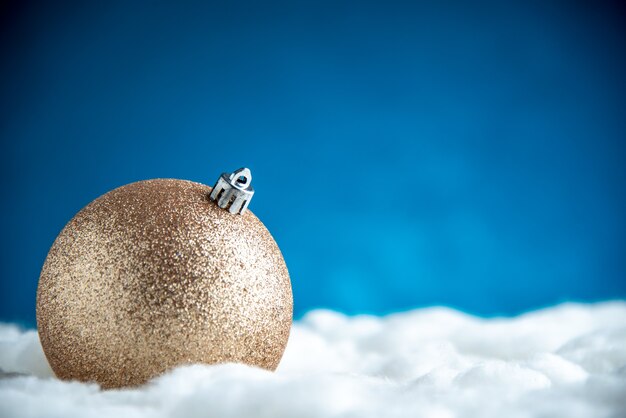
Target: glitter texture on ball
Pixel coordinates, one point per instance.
(153, 275)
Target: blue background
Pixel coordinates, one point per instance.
(469, 154)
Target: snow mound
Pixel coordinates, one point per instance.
(568, 360)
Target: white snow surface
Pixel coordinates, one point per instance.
(564, 361)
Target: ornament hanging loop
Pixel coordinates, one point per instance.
(241, 178)
(233, 191)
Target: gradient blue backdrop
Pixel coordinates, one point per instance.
(469, 154)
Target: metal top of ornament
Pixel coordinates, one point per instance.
(233, 191)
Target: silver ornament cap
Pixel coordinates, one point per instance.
(233, 191)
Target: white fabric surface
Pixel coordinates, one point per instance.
(568, 360)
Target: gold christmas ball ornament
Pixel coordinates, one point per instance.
(161, 273)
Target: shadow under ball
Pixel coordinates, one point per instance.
(153, 275)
